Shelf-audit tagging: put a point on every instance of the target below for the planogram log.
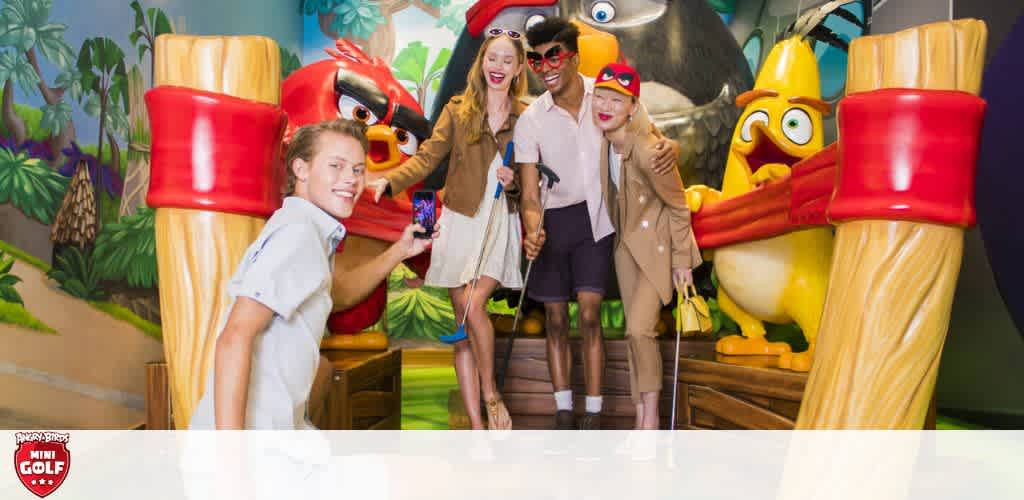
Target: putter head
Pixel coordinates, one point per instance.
(545, 171)
(459, 335)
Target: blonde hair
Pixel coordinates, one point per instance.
(306, 139)
(471, 110)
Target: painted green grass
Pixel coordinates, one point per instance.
(32, 117)
(24, 256)
(425, 397)
(952, 424)
(124, 314)
(118, 312)
(16, 314)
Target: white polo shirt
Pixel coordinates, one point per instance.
(546, 133)
(288, 269)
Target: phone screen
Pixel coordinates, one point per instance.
(424, 209)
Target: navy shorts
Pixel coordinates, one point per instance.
(570, 260)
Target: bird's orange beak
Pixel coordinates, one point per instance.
(383, 153)
(597, 49)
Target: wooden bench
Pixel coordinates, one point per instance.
(361, 390)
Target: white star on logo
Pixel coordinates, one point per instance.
(51, 481)
(33, 482)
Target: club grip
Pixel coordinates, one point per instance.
(550, 174)
(506, 161)
(509, 149)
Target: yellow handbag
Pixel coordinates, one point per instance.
(693, 317)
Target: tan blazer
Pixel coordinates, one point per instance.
(468, 163)
(649, 213)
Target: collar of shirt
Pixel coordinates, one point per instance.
(588, 90)
(329, 228)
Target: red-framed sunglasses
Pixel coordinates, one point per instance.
(553, 57)
(493, 32)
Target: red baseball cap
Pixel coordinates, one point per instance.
(484, 11)
(619, 77)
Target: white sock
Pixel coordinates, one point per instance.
(594, 404)
(563, 400)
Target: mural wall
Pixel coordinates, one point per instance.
(77, 251)
(79, 314)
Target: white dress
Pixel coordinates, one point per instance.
(453, 257)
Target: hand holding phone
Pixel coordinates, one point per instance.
(424, 212)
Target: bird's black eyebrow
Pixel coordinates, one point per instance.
(353, 84)
(412, 121)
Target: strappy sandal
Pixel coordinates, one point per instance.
(494, 409)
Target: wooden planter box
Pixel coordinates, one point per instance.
(723, 395)
(364, 391)
(528, 389)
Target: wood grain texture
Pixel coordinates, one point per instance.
(884, 325)
(528, 390)
(197, 253)
(892, 282)
(938, 56)
(158, 398)
(732, 409)
(248, 67)
(766, 382)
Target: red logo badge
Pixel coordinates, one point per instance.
(42, 460)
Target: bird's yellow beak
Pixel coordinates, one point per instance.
(383, 153)
(597, 49)
(764, 148)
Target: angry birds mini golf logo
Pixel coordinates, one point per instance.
(42, 460)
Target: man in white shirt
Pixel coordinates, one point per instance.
(573, 250)
(268, 350)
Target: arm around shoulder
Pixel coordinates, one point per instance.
(429, 154)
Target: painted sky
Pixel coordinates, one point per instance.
(278, 19)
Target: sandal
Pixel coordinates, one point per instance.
(496, 410)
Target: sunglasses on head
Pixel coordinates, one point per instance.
(624, 78)
(493, 32)
(553, 57)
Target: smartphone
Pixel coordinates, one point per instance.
(424, 212)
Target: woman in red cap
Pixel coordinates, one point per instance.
(654, 245)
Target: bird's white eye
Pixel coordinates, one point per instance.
(352, 109)
(797, 126)
(602, 12)
(534, 19)
(407, 142)
(756, 116)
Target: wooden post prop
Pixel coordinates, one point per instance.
(216, 177)
(903, 197)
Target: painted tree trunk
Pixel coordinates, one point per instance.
(53, 96)
(136, 180)
(14, 124)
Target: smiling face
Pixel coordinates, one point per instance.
(555, 67)
(611, 109)
(501, 64)
(335, 176)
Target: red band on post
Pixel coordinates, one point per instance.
(214, 152)
(908, 155)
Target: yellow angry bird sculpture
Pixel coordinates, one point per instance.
(781, 279)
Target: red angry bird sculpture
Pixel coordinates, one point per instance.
(354, 86)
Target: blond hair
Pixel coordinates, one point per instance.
(471, 110)
(305, 142)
